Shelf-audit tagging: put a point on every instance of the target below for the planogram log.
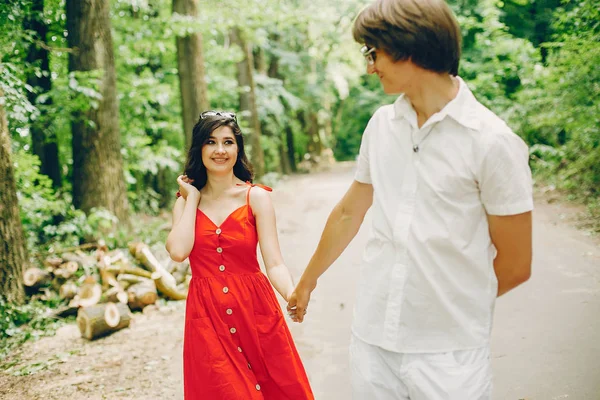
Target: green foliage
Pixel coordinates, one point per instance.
(18, 107)
(531, 20)
(21, 323)
(149, 109)
(560, 106)
(353, 114)
(48, 218)
(495, 64)
(532, 62)
(37, 200)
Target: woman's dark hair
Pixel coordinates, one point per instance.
(194, 167)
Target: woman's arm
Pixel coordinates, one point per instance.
(266, 226)
(181, 238)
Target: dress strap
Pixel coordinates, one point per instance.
(250, 186)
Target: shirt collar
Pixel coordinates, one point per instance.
(462, 109)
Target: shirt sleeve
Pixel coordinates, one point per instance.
(363, 169)
(505, 180)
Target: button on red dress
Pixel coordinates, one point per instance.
(237, 345)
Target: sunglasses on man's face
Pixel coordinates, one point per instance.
(225, 114)
(369, 54)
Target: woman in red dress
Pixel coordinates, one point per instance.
(237, 345)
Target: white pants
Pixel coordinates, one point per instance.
(378, 374)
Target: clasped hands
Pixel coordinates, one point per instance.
(298, 301)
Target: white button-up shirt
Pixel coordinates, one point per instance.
(427, 278)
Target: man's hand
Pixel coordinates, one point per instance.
(298, 301)
(341, 227)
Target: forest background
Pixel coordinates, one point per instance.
(97, 101)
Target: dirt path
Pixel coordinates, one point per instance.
(545, 342)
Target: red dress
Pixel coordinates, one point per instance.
(237, 345)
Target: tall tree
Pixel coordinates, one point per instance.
(12, 244)
(98, 178)
(315, 145)
(190, 64)
(260, 63)
(44, 143)
(290, 150)
(286, 136)
(245, 75)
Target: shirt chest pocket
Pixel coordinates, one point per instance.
(450, 186)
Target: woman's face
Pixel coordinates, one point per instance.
(219, 154)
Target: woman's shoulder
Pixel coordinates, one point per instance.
(259, 197)
(260, 191)
(256, 187)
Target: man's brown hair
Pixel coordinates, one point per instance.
(426, 31)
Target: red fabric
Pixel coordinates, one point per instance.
(238, 296)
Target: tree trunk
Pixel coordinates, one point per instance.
(285, 163)
(291, 148)
(260, 63)
(165, 282)
(284, 160)
(141, 295)
(314, 139)
(327, 138)
(89, 293)
(273, 72)
(67, 290)
(190, 65)
(248, 100)
(13, 255)
(161, 185)
(98, 179)
(44, 142)
(102, 319)
(36, 277)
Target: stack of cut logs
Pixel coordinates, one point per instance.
(103, 286)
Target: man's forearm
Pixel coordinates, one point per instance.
(510, 273)
(339, 231)
(512, 238)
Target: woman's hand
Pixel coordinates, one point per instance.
(298, 301)
(186, 189)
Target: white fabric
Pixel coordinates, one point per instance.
(427, 280)
(378, 374)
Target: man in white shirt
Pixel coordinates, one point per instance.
(451, 196)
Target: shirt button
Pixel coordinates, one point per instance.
(222, 268)
(219, 250)
(257, 387)
(229, 311)
(232, 330)
(240, 349)
(249, 366)
(225, 289)
(218, 231)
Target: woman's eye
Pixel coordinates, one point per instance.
(210, 142)
(229, 142)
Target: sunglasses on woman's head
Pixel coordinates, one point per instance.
(225, 114)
